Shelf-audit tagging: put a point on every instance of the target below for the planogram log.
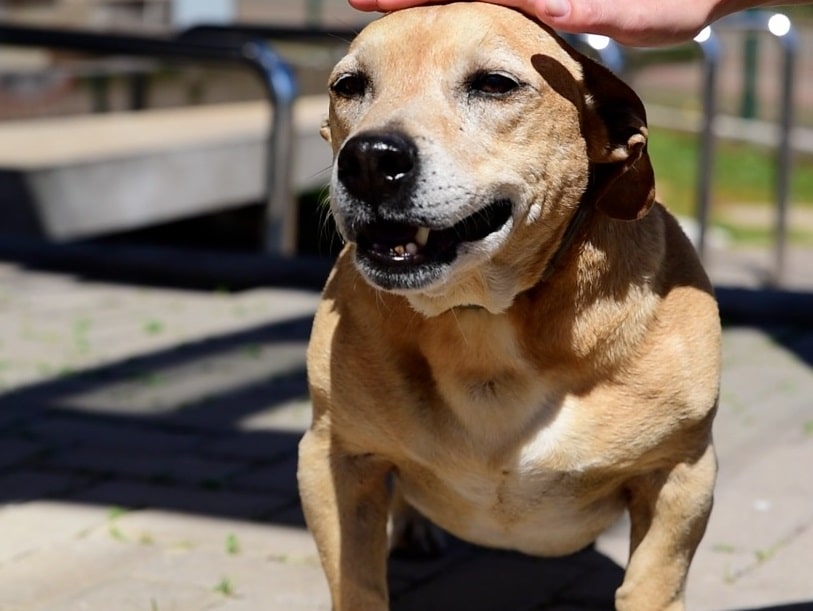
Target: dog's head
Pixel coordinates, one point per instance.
(465, 138)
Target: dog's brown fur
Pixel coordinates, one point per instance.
(535, 390)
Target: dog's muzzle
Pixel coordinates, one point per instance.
(395, 247)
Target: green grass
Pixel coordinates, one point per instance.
(226, 587)
(762, 235)
(742, 174)
(232, 545)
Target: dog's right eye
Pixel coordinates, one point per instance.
(493, 84)
(350, 86)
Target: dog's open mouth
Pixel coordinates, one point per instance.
(403, 245)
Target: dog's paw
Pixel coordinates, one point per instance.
(414, 537)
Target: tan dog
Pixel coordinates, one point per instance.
(515, 331)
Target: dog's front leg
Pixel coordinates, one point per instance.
(345, 500)
(669, 511)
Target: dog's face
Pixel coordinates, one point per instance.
(465, 137)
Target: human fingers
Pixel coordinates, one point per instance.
(635, 23)
(385, 5)
(529, 6)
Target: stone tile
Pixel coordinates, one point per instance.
(227, 536)
(194, 381)
(263, 445)
(293, 416)
(277, 586)
(128, 594)
(744, 534)
(15, 450)
(614, 543)
(162, 466)
(63, 430)
(495, 581)
(229, 503)
(62, 572)
(32, 484)
(595, 589)
(280, 476)
(43, 525)
(231, 396)
(241, 581)
(405, 573)
(786, 571)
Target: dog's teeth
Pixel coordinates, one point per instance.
(422, 236)
(412, 248)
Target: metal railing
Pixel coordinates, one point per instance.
(277, 78)
(754, 22)
(243, 43)
(781, 29)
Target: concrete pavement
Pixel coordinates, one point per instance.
(147, 460)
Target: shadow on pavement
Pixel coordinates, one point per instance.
(196, 429)
(471, 578)
(786, 316)
(164, 430)
(206, 428)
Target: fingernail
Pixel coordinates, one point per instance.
(557, 8)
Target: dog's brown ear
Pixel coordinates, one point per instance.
(622, 183)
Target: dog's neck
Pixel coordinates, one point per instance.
(574, 231)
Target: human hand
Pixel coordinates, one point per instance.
(630, 22)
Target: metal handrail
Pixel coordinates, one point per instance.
(759, 21)
(278, 81)
(709, 44)
(271, 32)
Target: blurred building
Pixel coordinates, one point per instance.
(158, 15)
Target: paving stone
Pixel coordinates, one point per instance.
(60, 573)
(35, 526)
(495, 581)
(229, 503)
(166, 467)
(15, 450)
(756, 517)
(293, 416)
(614, 543)
(405, 573)
(217, 535)
(289, 515)
(280, 476)
(61, 430)
(230, 406)
(128, 594)
(277, 587)
(789, 564)
(187, 387)
(15, 414)
(595, 589)
(32, 484)
(255, 445)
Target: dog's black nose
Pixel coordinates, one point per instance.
(377, 166)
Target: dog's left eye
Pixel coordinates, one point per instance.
(492, 83)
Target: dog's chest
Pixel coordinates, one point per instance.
(514, 456)
(485, 379)
(537, 487)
